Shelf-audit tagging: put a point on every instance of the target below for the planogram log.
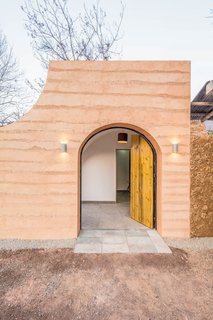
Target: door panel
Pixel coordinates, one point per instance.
(141, 192)
(146, 176)
(135, 202)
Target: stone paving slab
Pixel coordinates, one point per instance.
(136, 248)
(113, 233)
(118, 241)
(115, 248)
(136, 233)
(113, 239)
(89, 240)
(159, 243)
(90, 233)
(140, 241)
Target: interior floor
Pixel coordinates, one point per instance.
(109, 215)
(122, 196)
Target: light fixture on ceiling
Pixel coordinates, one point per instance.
(122, 137)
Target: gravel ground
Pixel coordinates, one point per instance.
(62, 285)
(14, 244)
(195, 244)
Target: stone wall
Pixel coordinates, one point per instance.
(201, 181)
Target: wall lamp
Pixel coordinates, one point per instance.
(175, 148)
(63, 147)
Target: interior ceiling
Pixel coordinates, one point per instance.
(107, 132)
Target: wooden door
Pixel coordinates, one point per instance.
(142, 181)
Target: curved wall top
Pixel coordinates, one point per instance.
(39, 186)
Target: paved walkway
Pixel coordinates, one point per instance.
(108, 228)
(120, 241)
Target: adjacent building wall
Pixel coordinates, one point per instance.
(40, 186)
(201, 181)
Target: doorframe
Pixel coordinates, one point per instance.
(116, 150)
(156, 169)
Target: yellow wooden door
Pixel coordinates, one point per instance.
(142, 181)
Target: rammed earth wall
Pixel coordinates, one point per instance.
(201, 220)
(40, 186)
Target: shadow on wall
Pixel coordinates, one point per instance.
(201, 181)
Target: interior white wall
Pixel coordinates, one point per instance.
(122, 169)
(99, 166)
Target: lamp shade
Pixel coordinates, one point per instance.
(122, 137)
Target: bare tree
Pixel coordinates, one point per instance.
(13, 97)
(58, 35)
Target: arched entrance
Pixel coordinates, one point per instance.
(143, 173)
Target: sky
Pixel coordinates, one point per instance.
(152, 30)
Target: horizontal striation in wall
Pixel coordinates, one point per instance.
(39, 186)
(123, 87)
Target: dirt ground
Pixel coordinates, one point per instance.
(58, 284)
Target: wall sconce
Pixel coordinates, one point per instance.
(175, 148)
(63, 147)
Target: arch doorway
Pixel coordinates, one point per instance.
(118, 180)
